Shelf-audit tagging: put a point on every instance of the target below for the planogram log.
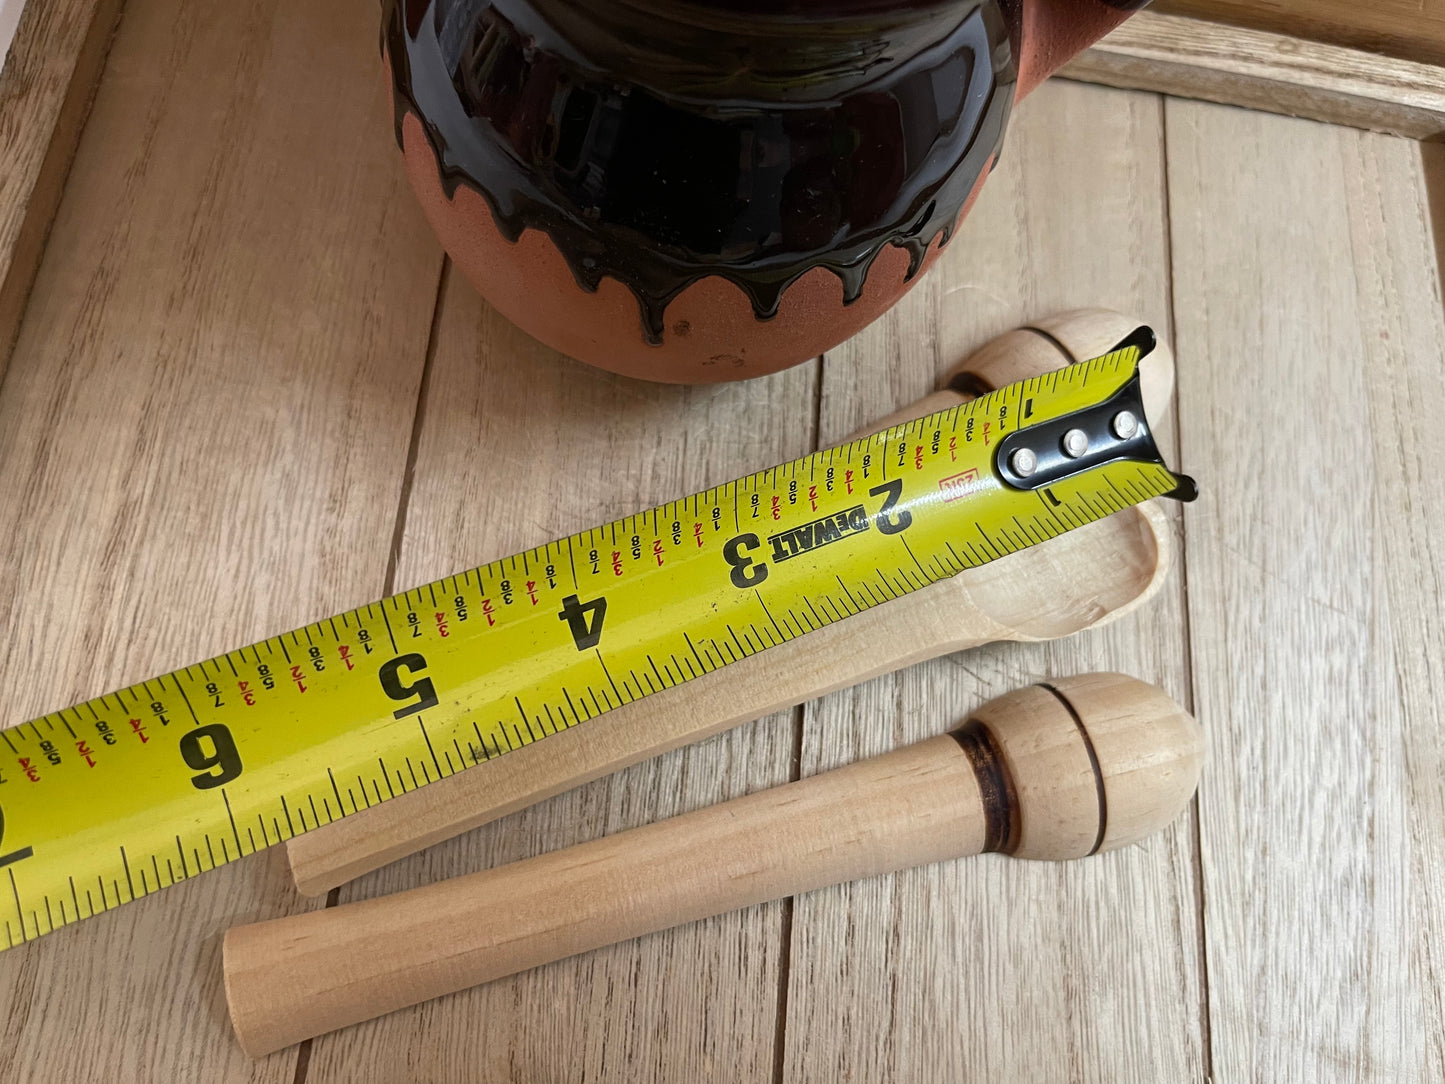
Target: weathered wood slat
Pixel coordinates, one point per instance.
(1000, 969)
(1310, 344)
(203, 435)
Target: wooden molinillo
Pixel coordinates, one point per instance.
(1052, 772)
(1077, 581)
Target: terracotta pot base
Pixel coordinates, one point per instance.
(711, 334)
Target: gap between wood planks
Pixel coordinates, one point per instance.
(1432, 166)
(418, 419)
(1196, 844)
(303, 1052)
(795, 767)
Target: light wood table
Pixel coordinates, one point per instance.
(247, 393)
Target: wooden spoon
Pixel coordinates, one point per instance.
(1080, 580)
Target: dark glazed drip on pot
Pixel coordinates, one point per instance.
(753, 146)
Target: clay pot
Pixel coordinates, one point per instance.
(704, 190)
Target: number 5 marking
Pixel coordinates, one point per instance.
(419, 687)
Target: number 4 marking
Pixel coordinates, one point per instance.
(585, 633)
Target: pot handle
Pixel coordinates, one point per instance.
(1055, 31)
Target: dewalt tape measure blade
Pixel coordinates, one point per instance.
(126, 794)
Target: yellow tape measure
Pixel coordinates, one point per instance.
(126, 794)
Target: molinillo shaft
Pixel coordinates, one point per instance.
(1079, 580)
(1058, 771)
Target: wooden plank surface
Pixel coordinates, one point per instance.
(520, 446)
(1413, 29)
(1277, 73)
(1311, 347)
(203, 435)
(890, 979)
(1397, 289)
(47, 78)
(216, 383)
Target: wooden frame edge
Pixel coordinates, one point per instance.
(47, 85)
(1194, 58)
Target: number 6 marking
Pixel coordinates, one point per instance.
(224, 757)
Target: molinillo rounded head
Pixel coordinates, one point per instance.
(1079, 580)
(1055, 771)
(1082, 765)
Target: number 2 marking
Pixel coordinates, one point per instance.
(890, 491)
